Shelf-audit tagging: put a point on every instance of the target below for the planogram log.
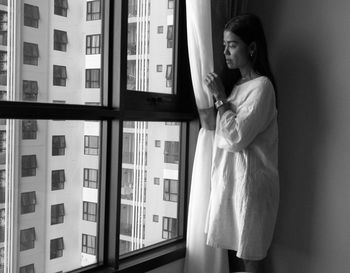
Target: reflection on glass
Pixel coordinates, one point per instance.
(150, 46)
(150, 184)
(49, 185)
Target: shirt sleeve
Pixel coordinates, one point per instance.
(238, 130)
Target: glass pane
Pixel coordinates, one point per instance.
(150, 64)
(46, 188)
(52, 34)
(149, 193)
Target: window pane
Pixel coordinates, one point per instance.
(55, 193)
(143, 206)
(149, 46)
(54, 33)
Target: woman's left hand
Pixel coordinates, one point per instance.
(215, 86)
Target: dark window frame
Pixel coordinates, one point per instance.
(93, 44)
(29, 129)
(92, 78)
(92, 15)
(29, 165)
(27, 269)
(28, 202)
(57, 214)
(56, 248)
(86, 246)
(60, 40)
(31, 19)
(61, 7)
(30, 53)
(58, 178)
(27, 239)
(88, 182)
(150, 106)
(90, 149)
(29, 90)
(90, 211)
(58, 145)
(59, 75)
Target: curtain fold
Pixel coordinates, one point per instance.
(201, 258)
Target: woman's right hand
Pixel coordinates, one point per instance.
(215, 86)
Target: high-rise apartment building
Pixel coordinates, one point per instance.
(49, 169)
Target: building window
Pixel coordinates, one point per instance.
(27, 238)
(3, 67)
(89, 211)
(60, 40)
(156, 218)
(3, 38)
(128, 148)
(2, 258)
(29, 129)
(160, 29)
(2, 141)
(30, 90)
(59, 75)
(31, 16)
(57, 214)
(171, 190)
(28, 202)
(3, 20)
(58, 145)
(157, 143)
(57, 180)
(159, 68)
(88, 244)
(2, 186)
(29, 165)
(169, 76)
(127, 184)
(30, 53)
(156, 181)
(93, 10)
(170, 36)
(61, 7)
(169, 228)
(91, 145)
(170, 4)
(2, 217)
(3, 2)
(93, 44)
(91, 178)
(92, 78)
(56, 248)
(27, 269)
(171, 152)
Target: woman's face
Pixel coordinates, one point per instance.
(235, 50)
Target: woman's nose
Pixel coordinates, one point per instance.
(226, 52)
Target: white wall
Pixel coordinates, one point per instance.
(309, 46)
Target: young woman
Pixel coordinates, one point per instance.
(245, 185)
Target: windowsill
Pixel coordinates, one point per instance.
(147, 261)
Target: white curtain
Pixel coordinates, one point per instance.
(201, 258)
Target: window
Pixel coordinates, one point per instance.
(171, 190)
(31, 16)
(171, 152)
(3, 20)
(30, 90)
(159, 68)
(91, 178)
(169, 76)
(170, 4)
(93, 10)
(170, 36)
(128, 148)
(28, 165)
(3, 67)
(3, 2)
(92, 78)
(60, 40)
(2, 141)
(128, 223)
(27, 238)
(61, 7)
(91, 145)
(169, 228)
(157, 143)
(58, 145)
(57, 214)
(30, 53)
(56, 248)
(2, 186)
(89, 244)
(156, 181)
(57, 180)
(59, 75)
(29, 129)
(2, 258)
(160, 29)
(28, 201)
(3, 38)
(2, 217)
(89, 211)
(27, 269)
(93, 44)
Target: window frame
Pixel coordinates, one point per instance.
(179, 107)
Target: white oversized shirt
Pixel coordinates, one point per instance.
(245, 185)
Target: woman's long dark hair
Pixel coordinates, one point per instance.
(249, 28)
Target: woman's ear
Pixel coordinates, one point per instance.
(252, 49)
